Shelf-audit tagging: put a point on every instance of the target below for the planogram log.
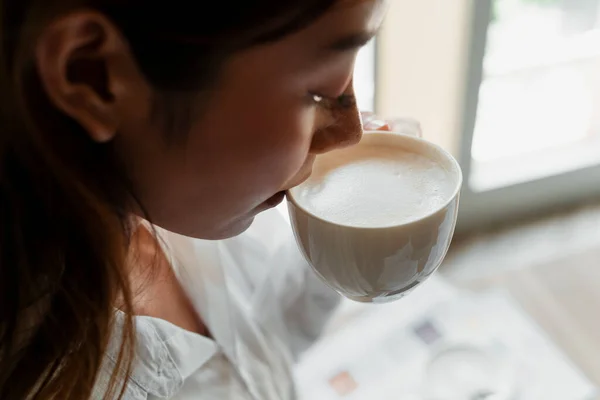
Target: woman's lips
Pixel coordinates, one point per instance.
(301, 179)
(276, 199)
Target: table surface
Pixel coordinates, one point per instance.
(563, 297)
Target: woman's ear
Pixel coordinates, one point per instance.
(89, 73)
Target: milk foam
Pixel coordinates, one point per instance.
(375, 186)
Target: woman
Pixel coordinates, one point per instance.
(197, 120)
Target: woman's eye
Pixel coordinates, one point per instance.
(344, 101)
(316, 98)
(322, 101)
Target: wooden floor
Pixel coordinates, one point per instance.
(552, 268)
(531, 244)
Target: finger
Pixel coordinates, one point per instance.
(406, 126)
(373, 123)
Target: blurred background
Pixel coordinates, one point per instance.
(512, 89)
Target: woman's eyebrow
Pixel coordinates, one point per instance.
(352, 41)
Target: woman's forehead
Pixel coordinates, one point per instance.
(376, 8)
(350, 3)
(367, 14)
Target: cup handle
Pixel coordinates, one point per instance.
(405, 126)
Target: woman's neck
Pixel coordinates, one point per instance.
(156, 291)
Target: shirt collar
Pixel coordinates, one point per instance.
(165, 355)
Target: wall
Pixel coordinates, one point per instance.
(421, 69)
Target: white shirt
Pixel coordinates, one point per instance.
(260, 301)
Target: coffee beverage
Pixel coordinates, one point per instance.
(375, 220)
(375, 185)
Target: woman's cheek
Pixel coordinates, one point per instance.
(292, 161)
(295, 153)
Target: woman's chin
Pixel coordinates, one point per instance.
(215, 231)
(236, 228)
(227, 231)
(206, 228)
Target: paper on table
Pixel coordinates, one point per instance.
(366, 339)
(380, 355)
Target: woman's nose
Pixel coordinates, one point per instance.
(344, 126)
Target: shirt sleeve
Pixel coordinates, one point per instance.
(285, 295)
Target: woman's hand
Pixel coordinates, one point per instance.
(406, 126)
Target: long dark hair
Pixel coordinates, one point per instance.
(65, 200)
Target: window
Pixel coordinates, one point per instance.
(511, 87)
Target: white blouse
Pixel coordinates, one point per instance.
(260, 301)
